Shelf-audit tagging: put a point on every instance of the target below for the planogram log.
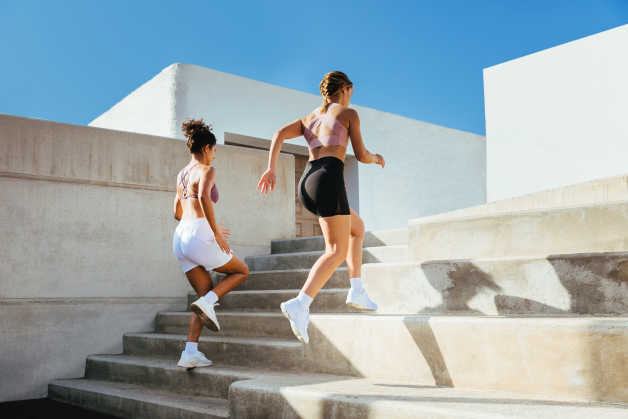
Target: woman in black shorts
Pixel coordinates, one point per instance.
(322, 191)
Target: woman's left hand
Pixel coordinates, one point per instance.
(224, 231)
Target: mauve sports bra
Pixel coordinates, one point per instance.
(339, 134)
(185, 178)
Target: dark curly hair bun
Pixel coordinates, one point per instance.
(199, 134)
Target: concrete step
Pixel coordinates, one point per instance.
(156, 372)
(258, 324)
(305, 260)
(328, 300)
(264, 353)
(589, 228)
(315, 397)
(213, 381)
(289, 279)
(581, 358)
(371, 239)
(589, 284)
(136, 401)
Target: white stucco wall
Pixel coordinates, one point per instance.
(149, 109)
(430, 169)
(558, 117)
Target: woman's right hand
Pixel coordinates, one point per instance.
(222, 242)
(379, 159)
(267, 181)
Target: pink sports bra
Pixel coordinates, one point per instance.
(185, 178)
(330, 130)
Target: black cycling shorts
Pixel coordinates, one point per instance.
(322, 187)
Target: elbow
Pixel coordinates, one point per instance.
(279, 136)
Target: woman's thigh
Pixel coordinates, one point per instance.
(235, 265)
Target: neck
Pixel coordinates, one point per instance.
(198, 159)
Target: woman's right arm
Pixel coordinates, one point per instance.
(359, 149)
(292, 130)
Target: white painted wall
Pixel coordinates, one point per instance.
(558, 117)
(86, 224)
(149, 109)
(430, 169)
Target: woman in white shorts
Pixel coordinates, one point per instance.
(199, 244)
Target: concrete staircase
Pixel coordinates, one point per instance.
(504, 333)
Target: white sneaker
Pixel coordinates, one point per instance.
(207, 314)
(298, 317)
(359, 299)
(197, 359)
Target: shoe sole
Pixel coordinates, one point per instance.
(361, 308)
(208, 322)
(190, 366)
(293, 326)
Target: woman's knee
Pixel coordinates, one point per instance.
(357, 226)
(245, 271)
(339, 253)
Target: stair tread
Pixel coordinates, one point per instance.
(419, 397)
(435, 316)
(408, 400)
(299, 270)
(323, 291)
(223, 339)
(402, 397)
(225, 313)
(242, 372)
(312, 252)
(198, 404)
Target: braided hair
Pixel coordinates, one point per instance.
(330, 87)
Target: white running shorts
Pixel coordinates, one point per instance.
(194, 245)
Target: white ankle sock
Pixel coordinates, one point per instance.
(191, 347)
(305, 300)
(356, 284)
(210, 298)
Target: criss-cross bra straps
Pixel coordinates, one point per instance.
(185, 180)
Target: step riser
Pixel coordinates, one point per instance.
(289, 280)
(590, 284)
(371, 239)
(232, 325)
(541, 232)
(305, 261)
(184, 382)
(558, 357)
(241, 354)
(121, 407)
(249, 401)
(325, 302)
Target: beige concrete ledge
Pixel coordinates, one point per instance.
(576, 284)
(559, 358)
(540, 232)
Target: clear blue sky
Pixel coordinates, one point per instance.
(70, 61)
